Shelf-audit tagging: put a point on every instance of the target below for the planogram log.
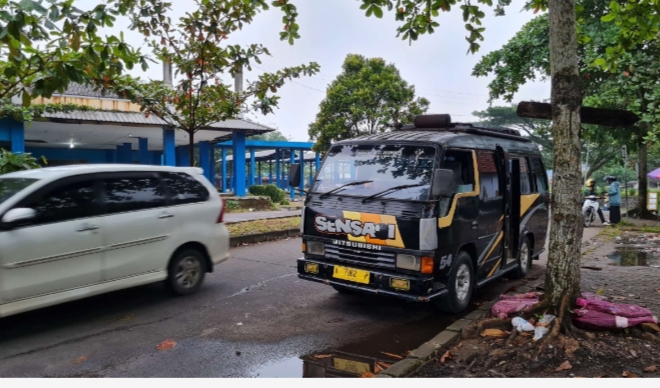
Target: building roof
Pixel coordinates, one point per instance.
(137, 118)
(81, 90)
(269, 155)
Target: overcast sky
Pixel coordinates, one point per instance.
(436, 64)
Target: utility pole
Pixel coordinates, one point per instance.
(624, 153)
(238, 85)
(167, 73)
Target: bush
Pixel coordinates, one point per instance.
(11, 162)
(258, 190)
(631, 192)
(275, 194)
(285, 202)
(232, 205)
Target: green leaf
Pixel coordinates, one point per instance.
(608, 18)
(378, 12)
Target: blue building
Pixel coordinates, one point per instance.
(117, 132)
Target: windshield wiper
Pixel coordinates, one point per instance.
(341, 187)
(395, 188)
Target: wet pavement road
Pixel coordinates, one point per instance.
(253, 317)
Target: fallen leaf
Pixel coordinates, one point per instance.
(378, 368)
(393, 355)
(494, 333)
(321, 356)
(166, 345)
(458, 346)
(618, 297)
(564, 366)
(367, 374)
(445, 357)
(634, 353)
(125, 318)
(82, 359)
(383, 365)
(651, 369)
(657, 290)
(628, 374)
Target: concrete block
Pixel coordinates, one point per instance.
(445, 338)
(403, 367)
(425, 351)
(475, 315)
(458, 325)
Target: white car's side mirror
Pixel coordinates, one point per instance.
(19, 214)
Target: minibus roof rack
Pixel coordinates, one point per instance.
(442, 123)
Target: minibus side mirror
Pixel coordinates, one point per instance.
(17, 216)
(294, 175)
(442, 183)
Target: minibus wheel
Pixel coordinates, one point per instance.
(524, 259)
(460, 285)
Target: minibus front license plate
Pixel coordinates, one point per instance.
(351, 274)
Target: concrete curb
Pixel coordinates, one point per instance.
(265, 219)
(446, 338)
(256, 238)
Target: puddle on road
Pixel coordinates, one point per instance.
(636, 252)
(371, 354)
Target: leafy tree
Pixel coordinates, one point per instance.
(270, 136)
(44, 47)
(539, 131)
(368, 97)
(196, 47)
(526, 58)
(11, 162)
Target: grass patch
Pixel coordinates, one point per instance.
(263, 226)
(611, 233)
(651, 229)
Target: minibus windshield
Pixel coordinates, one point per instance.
(371, 169)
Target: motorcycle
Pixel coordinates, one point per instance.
(590, 209)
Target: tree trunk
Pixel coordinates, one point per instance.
(563, 274)
(191, 148)
(644, 213)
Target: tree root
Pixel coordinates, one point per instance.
(538, 308)
(562, 321)
(512, 336)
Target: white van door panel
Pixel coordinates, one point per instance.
(138, 226)
(60, 249)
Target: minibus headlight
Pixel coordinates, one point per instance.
(408, 262)
(315, 248)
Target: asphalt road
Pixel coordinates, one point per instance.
(253, 317)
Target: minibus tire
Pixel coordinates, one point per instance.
(451, 302)
(195, 266)
(522, 271)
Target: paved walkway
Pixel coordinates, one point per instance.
(636, 282)
(252, 216)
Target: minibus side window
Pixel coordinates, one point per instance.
(525, 181)
(460, 162)
(488, 177)
(539, 175)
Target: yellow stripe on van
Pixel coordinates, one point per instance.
(445, 221)
(354, 216)
(526, 201)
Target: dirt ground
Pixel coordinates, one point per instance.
(609, 354)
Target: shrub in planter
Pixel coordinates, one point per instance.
(258, 190)
(275, 193)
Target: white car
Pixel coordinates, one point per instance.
(71, 232)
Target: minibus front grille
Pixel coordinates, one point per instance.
(355, 256)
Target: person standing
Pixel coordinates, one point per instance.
(591, 190)
(615, 200)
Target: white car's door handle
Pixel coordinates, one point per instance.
(87, 228)
(166, 215)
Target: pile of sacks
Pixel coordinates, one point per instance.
(593, 312)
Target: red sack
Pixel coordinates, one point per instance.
(513, 304)
(618, 309)
(596, 320)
